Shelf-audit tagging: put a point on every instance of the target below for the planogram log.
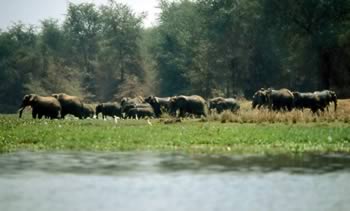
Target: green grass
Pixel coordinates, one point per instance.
(192, 136)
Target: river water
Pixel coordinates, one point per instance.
(144, 181)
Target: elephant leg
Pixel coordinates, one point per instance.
(34, 114)
(54, 116)
(63, 114)
(40, 116)
(181, 113)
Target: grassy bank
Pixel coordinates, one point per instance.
(188, 135)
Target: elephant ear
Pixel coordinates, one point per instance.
(156, 99)
(124, 100)
(32, 97)
(26, 98)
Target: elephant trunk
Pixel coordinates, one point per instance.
(335, 104)
(20, 110)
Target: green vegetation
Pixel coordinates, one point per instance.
(204, 47)
(188, 135)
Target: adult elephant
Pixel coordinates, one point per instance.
(260, 99)
(282, 99)
(159, 104)
(88, 110)
(41, 106)
(307, 100)
(221, 104)
(193, 104)
(111, 109)
(70, 105)
(127, 103)
(326, 97)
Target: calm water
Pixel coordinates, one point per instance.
(148, 181)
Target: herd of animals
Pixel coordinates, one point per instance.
(60, 105)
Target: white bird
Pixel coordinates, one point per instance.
(116, 119)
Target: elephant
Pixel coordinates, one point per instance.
(159, 104)
(88, 111)
(307, 100)
(140, 112)
(128, 103)
(109, 109)
(221, 104)
(41, 106)
(260, 99)
(70, 105)
(193, 104)
(281, 99)
(327, 96)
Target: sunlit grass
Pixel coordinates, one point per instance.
(241, 134)
(247, 115)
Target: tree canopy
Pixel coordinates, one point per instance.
(205, 47)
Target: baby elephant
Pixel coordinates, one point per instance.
(109, 109)
(88, 111)
(140, 111)
(221, 104)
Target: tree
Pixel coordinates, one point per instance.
(19, 64)
(120, 51)
(177, 42)
(82, 27)
(318, 24)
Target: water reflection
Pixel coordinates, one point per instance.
(137, 181)
(136, 162)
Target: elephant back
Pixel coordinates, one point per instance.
(193, 104)
(70, 104)
(280, 99)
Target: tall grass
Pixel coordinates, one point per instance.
(248, 115)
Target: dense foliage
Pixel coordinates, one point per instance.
(205, 47)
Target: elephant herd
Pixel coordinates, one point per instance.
(284, 99)
(59, 105)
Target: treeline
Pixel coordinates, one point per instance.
(205, 47)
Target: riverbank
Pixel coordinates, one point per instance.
(194, 136)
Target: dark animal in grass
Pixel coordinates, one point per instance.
(221, 104)
(159, 104)
(88, 111)
(70, 105)
(307, 100)
(41, 106)
(111, 109)
(128, 103)
(281, 99)
(140, 112)
(188, 105)
(326, 97)
(260, 99)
